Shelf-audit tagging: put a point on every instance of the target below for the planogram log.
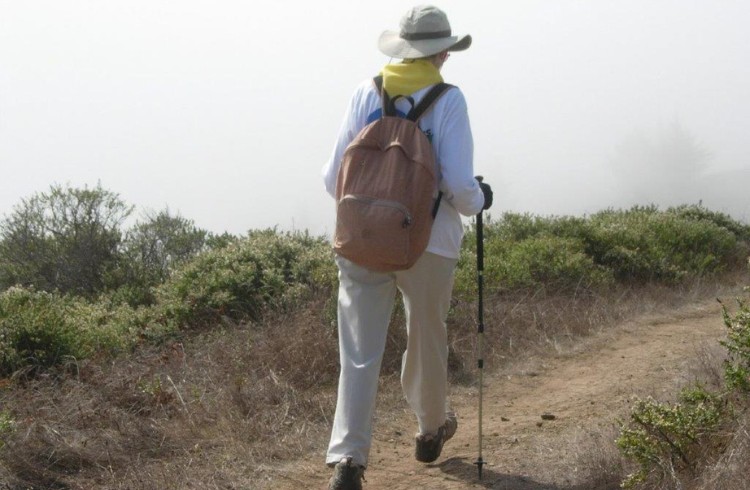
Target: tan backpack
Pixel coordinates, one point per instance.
(386, 191)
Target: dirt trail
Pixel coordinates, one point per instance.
(586, 389)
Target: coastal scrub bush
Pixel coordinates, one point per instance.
(40, 329)
(518, 227)
(737, 343)
(35, 329)
(638, 245)
(643, 244)
(665, 438)
(699, 213)
(265, 270)
(541, 261)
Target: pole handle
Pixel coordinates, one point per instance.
(480, 238)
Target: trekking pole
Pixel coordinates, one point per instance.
(480, 337)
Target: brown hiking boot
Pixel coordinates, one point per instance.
(429, 446)
(347, 476)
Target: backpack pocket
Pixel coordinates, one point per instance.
(373, 231)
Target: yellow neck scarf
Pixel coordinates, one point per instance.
(408, 77)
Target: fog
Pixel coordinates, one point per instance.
(226, 111)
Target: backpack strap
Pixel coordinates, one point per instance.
(436, 206)
(384, 99)
(378, 81)
(427, 101)
(387, 106)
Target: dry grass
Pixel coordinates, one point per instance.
(598, 462)
(227, 407)
(211, 410)
(731, 471)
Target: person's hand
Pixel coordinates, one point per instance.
(487, 191)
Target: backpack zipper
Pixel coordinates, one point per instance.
(385, 203)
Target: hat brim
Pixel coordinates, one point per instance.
(393, 45)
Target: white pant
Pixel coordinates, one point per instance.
(365, 305)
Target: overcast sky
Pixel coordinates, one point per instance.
(226, 111)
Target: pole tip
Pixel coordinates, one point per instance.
(480, 463)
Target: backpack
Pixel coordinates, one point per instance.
(386, 189)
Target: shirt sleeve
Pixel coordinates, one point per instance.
(354, 121)
(455, 155)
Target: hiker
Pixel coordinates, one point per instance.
(366, 295)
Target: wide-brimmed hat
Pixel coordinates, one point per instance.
(425, 31)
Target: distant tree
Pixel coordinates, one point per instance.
(161, 242)
(663, 167)
(66, 239)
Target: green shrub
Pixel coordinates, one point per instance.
(35, 329)
(541, 261)
(265, 270)
(515, 227)
(518, 227)
(643, 244)
(737, 343)
(699, 213)
(41, 329)
(663, 438)
(116, 326)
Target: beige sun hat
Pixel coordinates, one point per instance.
(425, 31)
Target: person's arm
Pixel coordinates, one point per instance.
(455, 155)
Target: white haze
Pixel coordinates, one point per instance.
(225, 111)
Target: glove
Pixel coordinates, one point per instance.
(487, 191)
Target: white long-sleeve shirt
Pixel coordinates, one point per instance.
(447, 126)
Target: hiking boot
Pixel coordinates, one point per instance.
(347, 476)
(429, 446)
